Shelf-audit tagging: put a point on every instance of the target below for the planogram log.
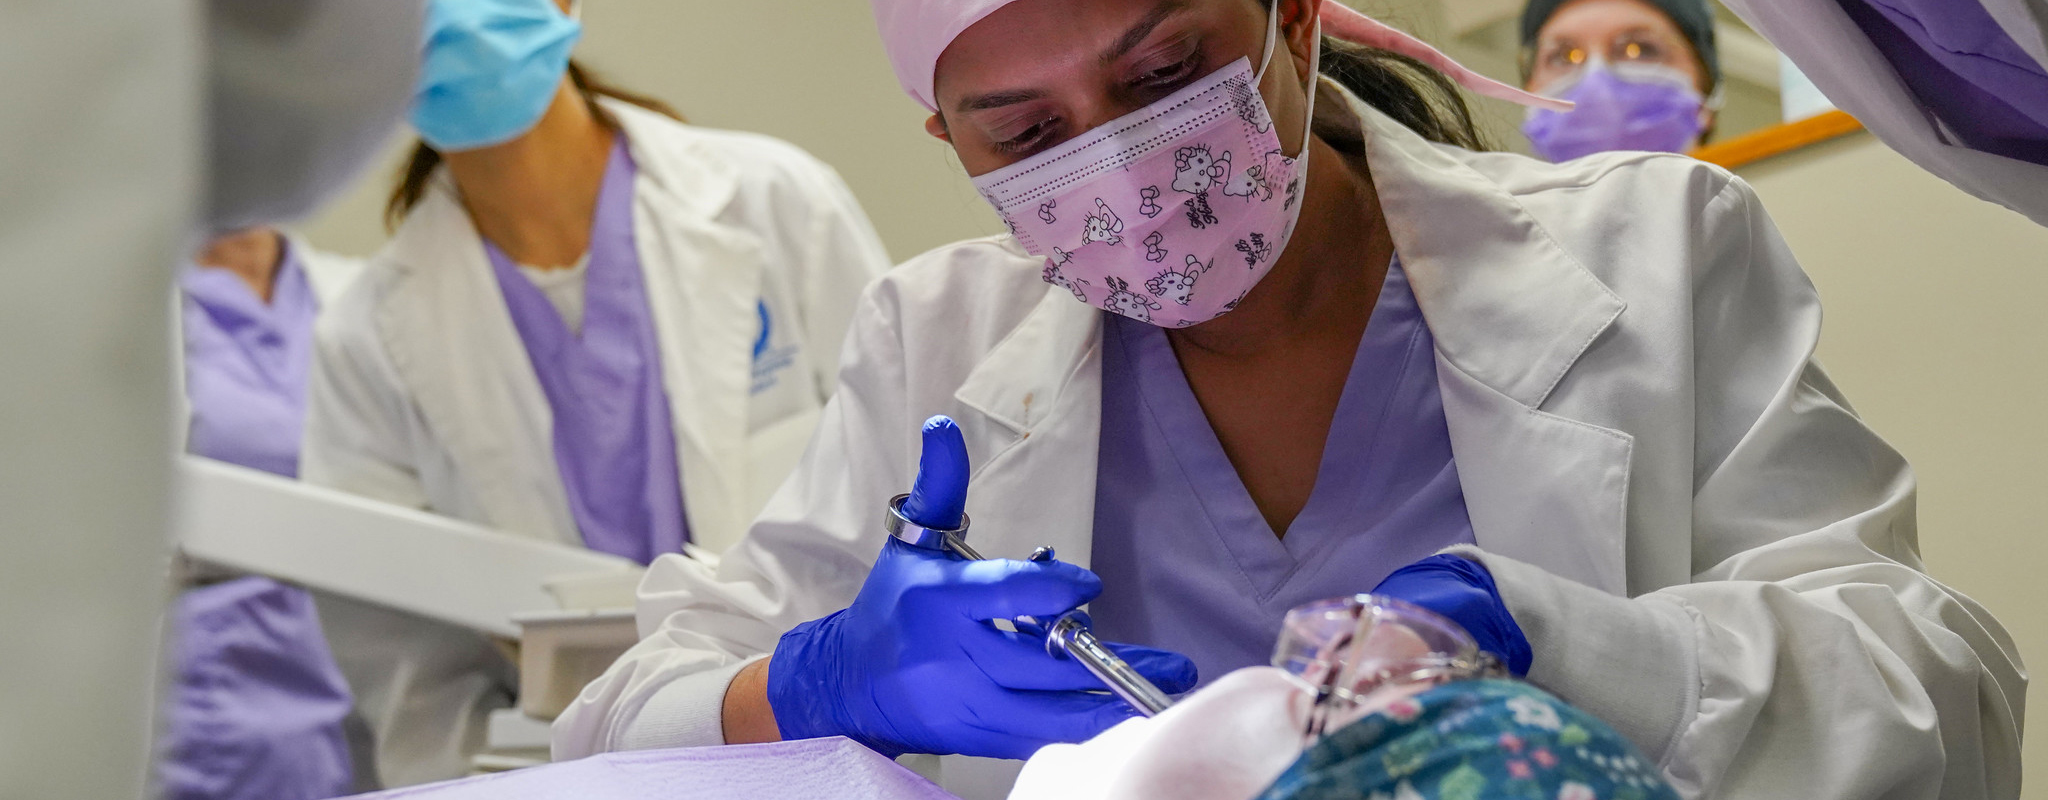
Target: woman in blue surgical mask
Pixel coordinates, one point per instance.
(594, 326)
(1644, 74)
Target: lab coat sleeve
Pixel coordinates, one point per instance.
(356, 413)
(805, 557)
(1810, 649)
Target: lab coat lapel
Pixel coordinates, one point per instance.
(703, 283)
(449, 336)
(1034, 430)
(1511, 313)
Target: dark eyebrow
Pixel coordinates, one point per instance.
(994, 100)
(1123, 46)
(1650, 31)
(1136, 35)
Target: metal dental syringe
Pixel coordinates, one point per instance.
(1067, 637)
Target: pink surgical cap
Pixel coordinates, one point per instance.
(917, 32)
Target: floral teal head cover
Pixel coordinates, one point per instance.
(1490, 739)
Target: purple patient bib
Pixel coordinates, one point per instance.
(833, 767)
(1187, 561)
(614, 440)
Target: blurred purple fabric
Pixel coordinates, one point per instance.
(246, 365)
(257, 707)
(833, 767)
(1963, 67)
(614, 440)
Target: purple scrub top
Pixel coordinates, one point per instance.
(258, 703)
(614, 440)
(257, 709)
(246, 365)
(1962, 66)
(1187, 561)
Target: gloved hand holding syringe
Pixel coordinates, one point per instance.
(917, 663)
(944, 500)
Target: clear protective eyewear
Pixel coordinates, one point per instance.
(1347, 649)
(1553, 59)
(1555, 68)
(1631, 71)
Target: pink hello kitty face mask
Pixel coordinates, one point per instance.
(1169, 215)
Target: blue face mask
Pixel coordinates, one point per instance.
(491, 69)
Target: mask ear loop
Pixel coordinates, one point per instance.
(1315, 71)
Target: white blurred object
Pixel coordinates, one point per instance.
(562, 651)
(102, 151)
(1228, 741)
(1797, 94)
(100, 156)
(377, 568)
(395, 557)
(1839, 58)
(609, 589)
(303, 95)
(517, 741)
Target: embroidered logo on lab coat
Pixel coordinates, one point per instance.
(769, 359)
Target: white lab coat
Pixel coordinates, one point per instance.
(1834, 52)
(330, 274)
(1703, 542)
(754, 255)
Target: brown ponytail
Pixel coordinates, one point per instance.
(1408, 90)
(412, 178)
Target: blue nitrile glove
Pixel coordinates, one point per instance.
(1462, 589)
(938, 498)
(914, 666)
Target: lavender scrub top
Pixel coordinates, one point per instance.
(1187, 561)
(257, 703)
(614, 440)
(246, 365)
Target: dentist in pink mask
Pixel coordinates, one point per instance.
(1269, 326)
(1644, 74)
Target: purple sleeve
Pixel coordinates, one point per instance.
(257, 705)
(1965, 69)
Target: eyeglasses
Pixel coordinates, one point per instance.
(1558, 57)
(1345, 649)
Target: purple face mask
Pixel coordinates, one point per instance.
(1641, 110)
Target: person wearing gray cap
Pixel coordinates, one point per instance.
(1644, 73)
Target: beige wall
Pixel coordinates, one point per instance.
(1936, 330)
(808, 71)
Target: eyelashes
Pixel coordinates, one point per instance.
(1030, 139)
(1168, 77)
(1147, 86)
